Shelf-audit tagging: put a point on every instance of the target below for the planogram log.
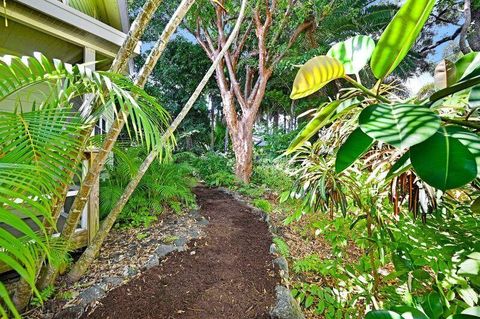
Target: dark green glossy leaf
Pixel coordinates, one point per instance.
(443, 161)
(466, 65)
(354, 147)
(469, 139)
(474, 311)
(433, 305)
(383, 314)
(400, 166)
(474, 97)
(321, 119)
(399, 36)
(401, 125)
(460, 86)
(410, 312)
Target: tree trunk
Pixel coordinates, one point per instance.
(92, 250)
(226, 140)
(275, 121)
(212, 123)
(466, 25)
(243, 148)
(23, 291)
(112, 135)
(474, 36)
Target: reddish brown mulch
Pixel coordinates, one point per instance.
(227, 274)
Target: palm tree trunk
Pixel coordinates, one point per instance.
(92, 250)
(136, 31)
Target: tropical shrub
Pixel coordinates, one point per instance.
(166, 185)
(41, 147)
(419, 153)
(413, 127)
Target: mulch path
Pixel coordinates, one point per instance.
(226, 274)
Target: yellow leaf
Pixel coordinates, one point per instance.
(315, 74)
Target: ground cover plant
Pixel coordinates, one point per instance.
(352, 125)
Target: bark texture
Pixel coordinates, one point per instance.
(136, 31)
(241, 105)
(92, 250)
(467, 9)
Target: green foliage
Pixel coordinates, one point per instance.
(272, 175)
(401, 124)
(263, 204)
(281, 246)
(354, 53)
(41, 144)
(324, 301)
(165, 185)
(399, 36)
(45, 294)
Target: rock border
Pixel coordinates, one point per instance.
(91, 296)
(286, 306)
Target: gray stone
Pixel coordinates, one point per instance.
(203, 221)
(194, 233)
(282, 264)
(152, 262)
(180, 242)
(286, 307)
(163, 250)
(91, 294)
(113, 281)
(129, 271)
(73, 312)
(273, 249)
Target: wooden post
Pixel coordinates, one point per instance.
(93, 207)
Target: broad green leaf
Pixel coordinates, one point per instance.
(445, 74)
(469, 267)
(469, 139)
(474, 311)
(463, 316)
(315, 74)
(354, 147)
(401, 125)
(474, 255)
(400, 166)
(460, 86)
(309, 301)
(433, 305)
(474, 97)
(468, 295)
(410, 312)
(466, 65)
(321, 118)
(383, 314)
(450, 164)
(353, 53)
(399, 36)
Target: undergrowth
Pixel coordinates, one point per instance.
(166, 186)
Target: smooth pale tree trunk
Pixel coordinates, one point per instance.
(226, 140)
(23, 290)
(112, 135)
(467, 9)
(212, 123)
(92, 250)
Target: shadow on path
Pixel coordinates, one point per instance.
(226, 274)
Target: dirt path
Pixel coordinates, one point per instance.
(227, 274)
